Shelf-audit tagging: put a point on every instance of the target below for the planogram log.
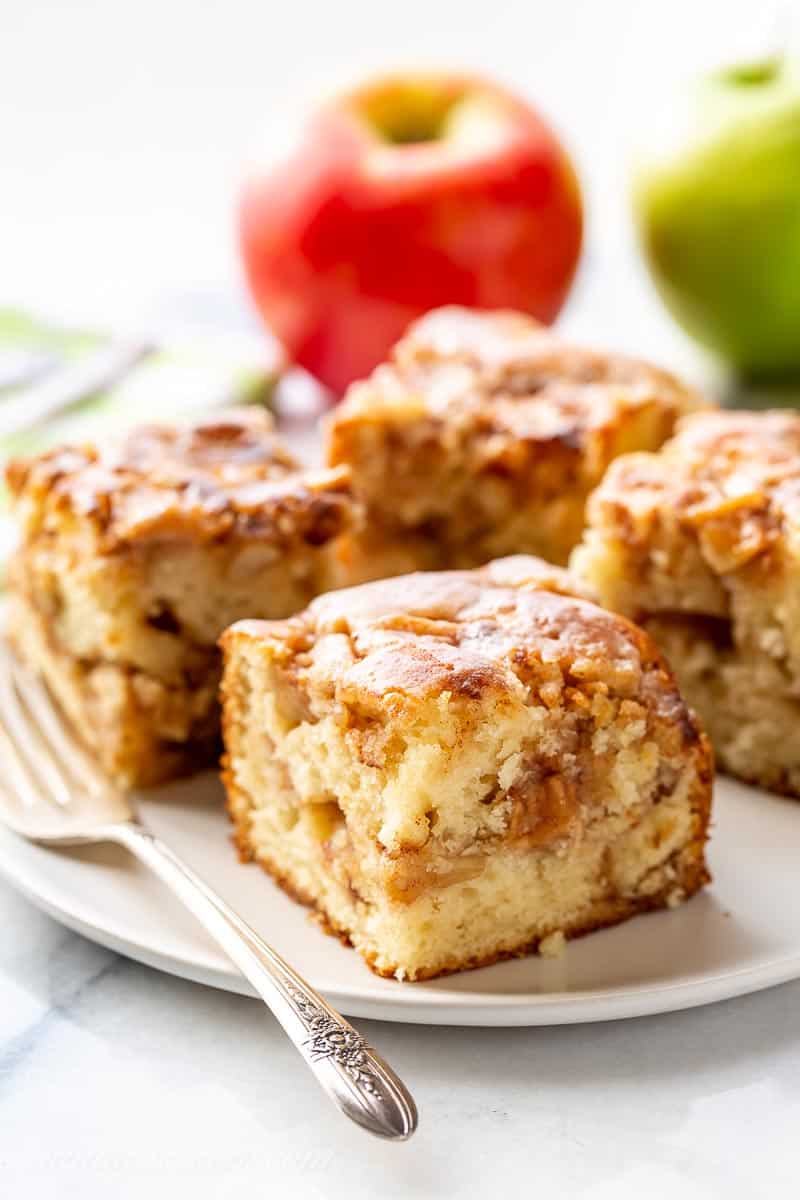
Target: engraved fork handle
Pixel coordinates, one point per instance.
(356, 1078)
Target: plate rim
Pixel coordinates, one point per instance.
(483, 1009)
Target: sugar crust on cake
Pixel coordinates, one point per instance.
(484, 433)
(701, 544)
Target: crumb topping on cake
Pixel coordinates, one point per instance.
(700, 543)
(484, 434)
(511, 375)
(229, 474)
(515, 626)
(732, 477)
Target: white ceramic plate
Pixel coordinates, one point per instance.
(742, 934)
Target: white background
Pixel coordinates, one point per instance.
(123, 130)
(125, 126)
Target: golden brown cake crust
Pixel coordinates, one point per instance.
(513, 376)
(509, 379)
(733, 478)
(228, 475)
(518, 355)
(484, 433)
(515, 622)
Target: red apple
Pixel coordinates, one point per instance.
(401, 196)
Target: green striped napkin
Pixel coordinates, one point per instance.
(171, 382)
(176, 381)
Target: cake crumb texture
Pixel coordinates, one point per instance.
(701, 544)
(455, 767)
(135, 555)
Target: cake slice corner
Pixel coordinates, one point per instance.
(457, 767)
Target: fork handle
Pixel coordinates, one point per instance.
(356, 1078)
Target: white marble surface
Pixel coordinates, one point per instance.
(118, 1081)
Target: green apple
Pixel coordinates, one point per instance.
(718, 208)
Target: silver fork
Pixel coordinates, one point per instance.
(52, 793)
(71, 384)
